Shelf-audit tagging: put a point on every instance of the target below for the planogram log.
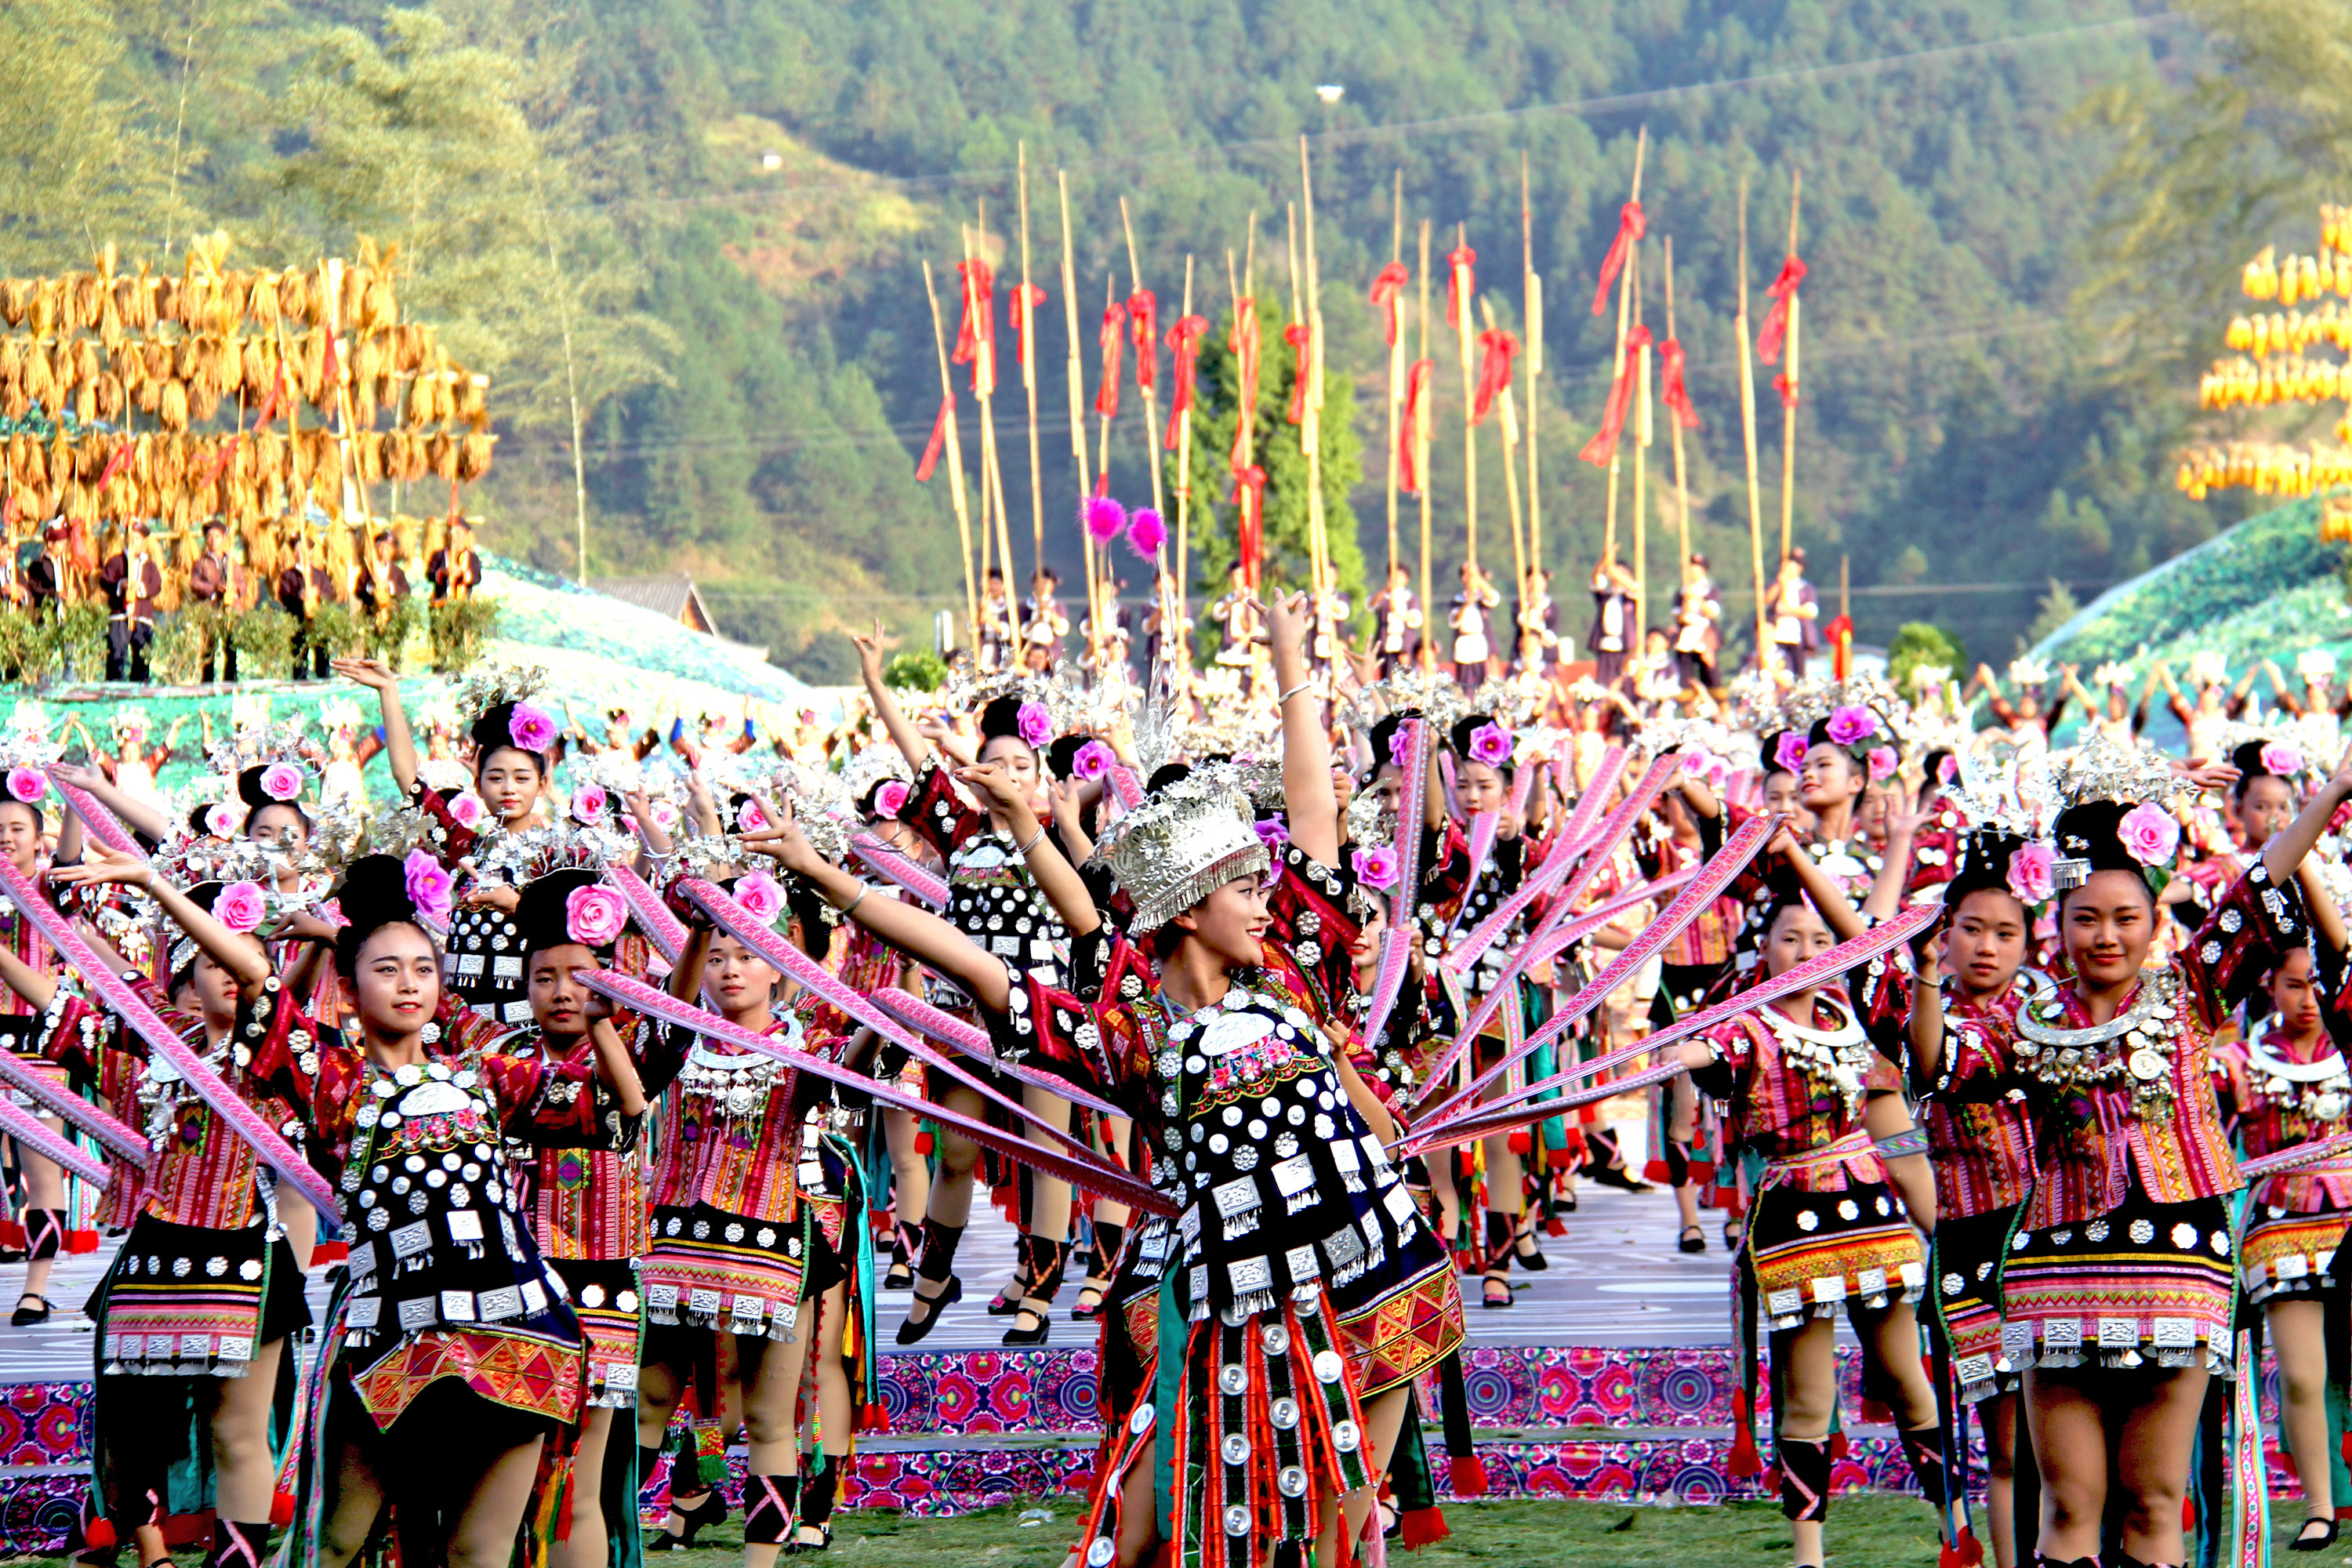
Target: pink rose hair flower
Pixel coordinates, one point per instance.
(590, 805)
(2282, 759)
(531, 728)
(1094, 760)
(27, 785)
(1852, 724)
(1883, 762)
(223, 820)
(890, 797)
(430, 887)
(1271, 834)
(1789, 751)
(282, 781)
(2030, 868)
(1036, 723)
(2150, 833)
(752, 818)
(1400, 747)
(240, 907)
(466, 810)
(594, 915)
(1375, 868)
(1490, 743)
(761, 895)
(1948, 768)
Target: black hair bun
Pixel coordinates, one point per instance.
(494, 731)
(248, 787)
(1167, 774)
(1002, 717)
(1062, 756)
(2090, 832)
(1383, 738)
(2247, 758)
(374, 894)
(1984, 863)
(542, 914)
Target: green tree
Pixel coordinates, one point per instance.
(1919, 643)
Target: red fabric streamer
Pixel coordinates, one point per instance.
(1672, 390)
(1776, 320)
(1631, 227)
(1786, 389)
(1244, 345)
(1143, 325)
(938, 439)
(1114, 343)
(1461, 271)
(1297, 335)
(268, 411)
(1408, 433)
(1024, 301)
(1603, 445)
(1249, 493)
(332, 373)
(116, 464)
(1499, 349)
(1184, 342)
(976, 333)
(1386, 288)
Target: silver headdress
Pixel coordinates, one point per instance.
(1188, 840)
(488, 685)
(2102, 769)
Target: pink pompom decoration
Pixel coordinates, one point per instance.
(890, 799)
(2030, 867)
(2282, 759)
(1105, 520)
(594, 915)
(27, 785)
(752, 818)
(761, 895)
(1789, 751)
(1036, 723)
(1883, 762)
(2150, 833)
(1852, 724)
(531, 728)
(281, 781)
(1271, 834)
(1376, 869)
(430, 887)
(223, 820)
(589, 804)
(1401, 746)
(1147, 531)
(467, 810)
(1094, 760)
(1490, 743)
(240, 907)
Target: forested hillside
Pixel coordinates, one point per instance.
(702, 222)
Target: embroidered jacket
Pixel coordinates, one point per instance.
(1979, 1136)
(1785, 1096)
(730, 1127)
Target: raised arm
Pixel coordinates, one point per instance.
(138, 816)
(1307, 797)
(911, 746)
(1056, 878)
(226, 948)
(919, 932)
(1926, 1023)
(2326, 919)
(1840, 917)
(616, 1070)
(2284, 852)
(399, 745)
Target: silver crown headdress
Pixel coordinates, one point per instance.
(1187, 841)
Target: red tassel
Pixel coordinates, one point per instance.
(1421, 1526)
(2189, 1515)
(1467, 1473)
(1656, 1174)
(2287, 1460)
(281, 1509)
(1876, 1412)
(1948, 1556)
(873, 1417)
(1772, 1481)
(1839, 1447)
(1702, 1172)
(1555, 1227)
(1745, 1460)
(330, 1252)
(1559, 1159)
(99, 1536)
(923, 1141)
(81, 1241)
(12, 1234)
(1521, 1145)
(1971, 1548)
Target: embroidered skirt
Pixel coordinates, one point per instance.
(1966, 1264)
(185, 1301)
(712, 1269)
(1816, 1252)
(2288, 1254)
(2144, 1283)
(605, 1299)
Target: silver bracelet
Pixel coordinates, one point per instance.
(1282, 697)
(863, 888)
(1039, 838)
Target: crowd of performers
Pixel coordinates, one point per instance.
(1286, 1028)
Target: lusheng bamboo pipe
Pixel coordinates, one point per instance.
(955, 464)
(1617, 361)
(1078, 419)
(1748, 434)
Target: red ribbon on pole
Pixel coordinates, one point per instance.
(1143, 324)
(1386, 288)
(1631, 227)
(1184, 342)
(1786, 388)
(116, 464)
(1024, 301)
(1603, 445)
(976, 333)
(1414, 428)
(1244, 345)
(1461, 271)
(1114, 342)
(938, 439)
(1249, 490)
(1671, 389)
(1297, 335)
(1501, 347)
(268, 412)
(1776, 320)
